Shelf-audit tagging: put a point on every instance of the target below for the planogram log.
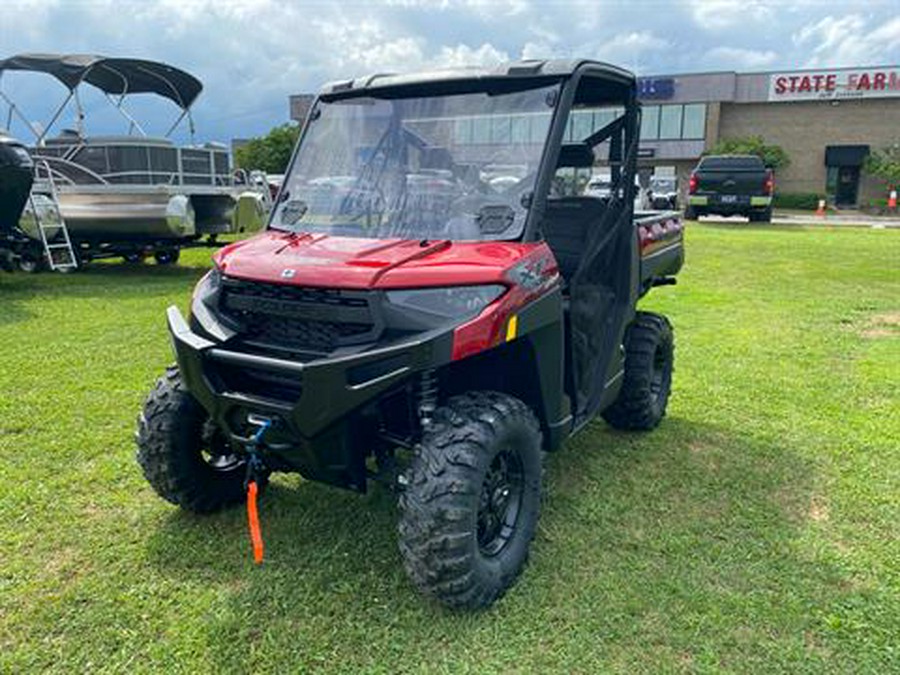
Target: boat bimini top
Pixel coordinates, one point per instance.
(113, 76)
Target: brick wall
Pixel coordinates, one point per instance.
(803, 129)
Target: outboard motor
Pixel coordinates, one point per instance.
(16, 177)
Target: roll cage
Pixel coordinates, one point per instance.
(601, 286)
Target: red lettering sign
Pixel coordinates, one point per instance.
(843, 83)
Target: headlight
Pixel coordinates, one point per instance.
(208, 285)
(450, 303)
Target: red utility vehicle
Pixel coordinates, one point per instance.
(435, 304)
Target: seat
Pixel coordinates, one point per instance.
(567, 223)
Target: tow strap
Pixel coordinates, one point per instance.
(253, 519)
(254, 467)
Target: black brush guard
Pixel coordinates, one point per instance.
(309, 402)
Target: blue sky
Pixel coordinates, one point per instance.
(252, 54)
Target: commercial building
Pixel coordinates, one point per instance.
(827, 120)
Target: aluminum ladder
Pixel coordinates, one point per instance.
(59, 251)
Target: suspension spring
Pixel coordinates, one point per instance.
(428, 396)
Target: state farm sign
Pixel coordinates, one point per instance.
(812, 85)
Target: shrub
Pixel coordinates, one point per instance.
(774, 156)
(270, 153)
(885, 165)
(806, 201)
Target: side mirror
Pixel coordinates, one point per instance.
(293, 211)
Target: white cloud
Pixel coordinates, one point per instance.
(739, 58)
(717, 14)
(366, 45)
(848, 40)
(464, 55)
(250, 54)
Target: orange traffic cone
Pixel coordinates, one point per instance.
(821, 210)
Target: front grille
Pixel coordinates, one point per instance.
(308, 320)
(259, 382)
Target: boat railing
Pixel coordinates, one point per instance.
(179, 178)
(130, 162)
(63, 171)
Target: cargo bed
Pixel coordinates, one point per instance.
(661, 235)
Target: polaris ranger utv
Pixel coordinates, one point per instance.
(435, 304)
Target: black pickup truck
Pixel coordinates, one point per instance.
(731, 185)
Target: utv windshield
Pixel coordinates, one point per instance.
(458, 167)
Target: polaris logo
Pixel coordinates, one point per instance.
(288, 273)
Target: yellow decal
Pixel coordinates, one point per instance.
(511, 327)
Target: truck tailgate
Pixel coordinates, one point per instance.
(731, 182)
(661, 237)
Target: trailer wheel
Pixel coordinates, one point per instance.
(472, 499)
(134, 258)
(649, 361)
(32, 262)
(186, 459)
(167, 256)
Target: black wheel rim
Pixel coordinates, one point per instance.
(500, 502)
(658, 377)
(215, 451)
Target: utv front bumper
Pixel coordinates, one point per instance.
(309, 402)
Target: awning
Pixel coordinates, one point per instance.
(846, 155)
(112, 75)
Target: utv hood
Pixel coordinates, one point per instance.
(345, 262)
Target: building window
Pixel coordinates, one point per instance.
(670, 122)
(481, 130)
(694, 125)
(500, 129)
(519, 129)
(650, 123)
(540, 124)
(463, 133)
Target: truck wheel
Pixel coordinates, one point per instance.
(690, 213)
(183, 456)
(472, 499)
(649, 359)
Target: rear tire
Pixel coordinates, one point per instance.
(186, 460)
(690, 213)
(472, 499)
(649, 361)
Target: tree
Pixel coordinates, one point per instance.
(885, 164)
(270, 153)
(773, 156)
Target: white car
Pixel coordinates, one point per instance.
(600, 185)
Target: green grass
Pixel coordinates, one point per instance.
(757, 530)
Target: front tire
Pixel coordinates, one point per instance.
(184, 457)
(472, 500)
(649, 361)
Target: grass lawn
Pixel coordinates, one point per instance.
(757, 530)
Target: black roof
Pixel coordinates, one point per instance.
(532, 69)
(112, 75)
